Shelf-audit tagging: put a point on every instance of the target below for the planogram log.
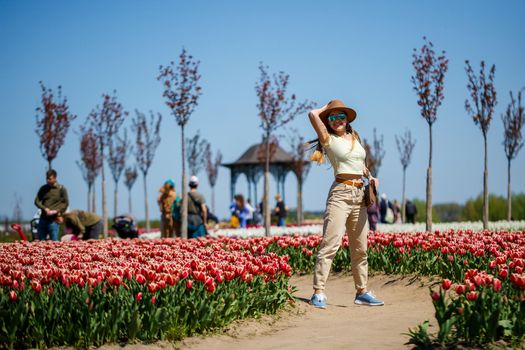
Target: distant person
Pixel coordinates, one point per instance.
(280, 210)
(197, 210)
(251, 212)
(211, 217)
(410, 212)
(373, 216)
(239, 211)
(259, 215)
(383, 206)
(125, 226)
(82, 224)
(396, 209)
(53, 200)
(167, 196)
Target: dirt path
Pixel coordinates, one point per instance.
(343, 325)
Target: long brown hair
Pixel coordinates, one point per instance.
(318, 155)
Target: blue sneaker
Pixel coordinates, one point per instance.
(318, 300)
(368, 298)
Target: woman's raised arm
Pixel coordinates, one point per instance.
(319, 127)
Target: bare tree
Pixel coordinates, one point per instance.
(53, 120)
(212, 170)
(105, 121)
(300, 167)
(90, 164)
(428, 84)
(130, 176)
(513, 120)
(481, 108)
(374, 153)
(405, 146)
(276, 109)
(119, 150)
(182, 92)
(147, 139)
(196, 147)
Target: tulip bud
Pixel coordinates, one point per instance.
(436, 296)
(138, 297)
(12, 295)
(189, 284)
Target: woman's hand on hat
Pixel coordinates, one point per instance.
(375, 180)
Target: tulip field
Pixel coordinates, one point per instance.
(86, 293)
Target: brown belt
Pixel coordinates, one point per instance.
(355, 183)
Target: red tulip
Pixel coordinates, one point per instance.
(138, 297)
(472, 295)
(12, 295)
(210, 287)
(189, 284)
(140, 278)
(460, 289)
(496, 283)
(446, 284)
(36, 286)
(153, 300)
(152, 287)
(436, 296)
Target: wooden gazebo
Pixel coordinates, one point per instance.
(251, 164)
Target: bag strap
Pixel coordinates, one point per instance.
(195, 205)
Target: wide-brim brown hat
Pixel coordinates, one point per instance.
(338, 105)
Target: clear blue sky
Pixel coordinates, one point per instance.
(356, 51)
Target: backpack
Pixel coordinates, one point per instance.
(176, 207)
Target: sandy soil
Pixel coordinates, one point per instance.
(343, 325)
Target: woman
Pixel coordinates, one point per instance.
(239, 210)
(166, 197)
(344, 206)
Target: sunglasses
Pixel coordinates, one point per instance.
(340, 116)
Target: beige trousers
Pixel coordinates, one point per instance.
(344, 209)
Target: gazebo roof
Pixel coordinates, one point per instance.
(250, 157)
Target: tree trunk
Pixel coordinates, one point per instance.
(213, 199)
(299, 200)
(509, 193)
(429, 183)
(104, 204)
(49, 164)
(129, 201)
(266, 196)
(403, 204)
(94, 200)
(184, 216)
(146, 206)
(115, 200)
(89, 198)
(485, 189)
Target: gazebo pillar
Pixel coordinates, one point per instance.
(234, 175)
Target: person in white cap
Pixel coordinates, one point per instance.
(197, 210)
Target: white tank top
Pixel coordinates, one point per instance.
(343, 158)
